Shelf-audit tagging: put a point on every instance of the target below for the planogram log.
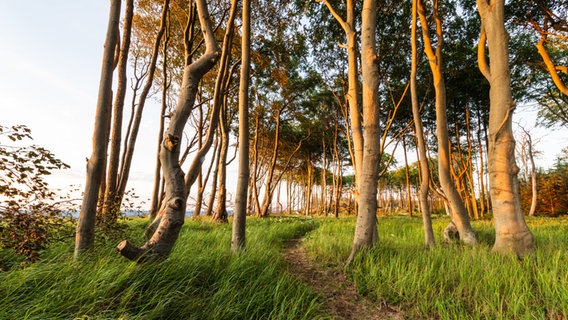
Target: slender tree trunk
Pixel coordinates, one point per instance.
(459, 213)
(238, 239)
(481, 180)
(420, 141)
(111, 209)
(349, 27)
(366, 227)
(200, 181)
(269, 184)
(469, 173)
(407, 176)
(156, 191)
(170, 219)
(220, 214)
(85, 234)
(129, 152)
(511, 232)
(213, 193)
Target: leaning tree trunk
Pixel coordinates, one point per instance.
(366, 228)
(459, 213)
(420, 141)
(511, 232)
(239, 216)
(170, 219)
(85, 234)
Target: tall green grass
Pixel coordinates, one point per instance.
(200, 280)
(451, 281)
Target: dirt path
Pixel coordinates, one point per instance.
(338, 293)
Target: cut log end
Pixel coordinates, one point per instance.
(129, 251)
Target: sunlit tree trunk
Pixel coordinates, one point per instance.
(85, 234)
(238, 239)
(366, 228)
(170, 219)
(511, 232)
(348, 25)
(459, 213)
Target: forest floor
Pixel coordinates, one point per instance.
(338, 293)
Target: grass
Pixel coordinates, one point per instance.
(452, 281)
(203, 280)
(200, 280)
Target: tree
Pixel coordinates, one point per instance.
(85, 235)
(457, 209)
(420, 141)
(512, 233)
(111, 207)
(366, 228)
(238, 239)
(165, 229)
(527, 155)
(349, 24)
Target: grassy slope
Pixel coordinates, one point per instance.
(452, 281)
(200, 280)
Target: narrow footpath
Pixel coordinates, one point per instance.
(338, 293)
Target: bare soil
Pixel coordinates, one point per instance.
(338, 293)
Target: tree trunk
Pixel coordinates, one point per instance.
(129, 152)
(407, 179)
(85, 234)
(511, 232)
(156, 191)
(459, 212)
(111, 209)
(213, 193)
(482, 208)
(238, 239)
(170, 219)
(366, 228)
(220, 214)
(349, 26)
(269, 184)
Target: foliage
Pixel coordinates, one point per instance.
(28, 212)
(552, 188)
(200, 280)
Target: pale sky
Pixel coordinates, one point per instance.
(50, 61)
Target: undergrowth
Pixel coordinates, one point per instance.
(451, 281)
(201, 279)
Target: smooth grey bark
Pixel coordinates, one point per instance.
(85, 232)
(238, 238)
(168, 222)
(512, 234)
